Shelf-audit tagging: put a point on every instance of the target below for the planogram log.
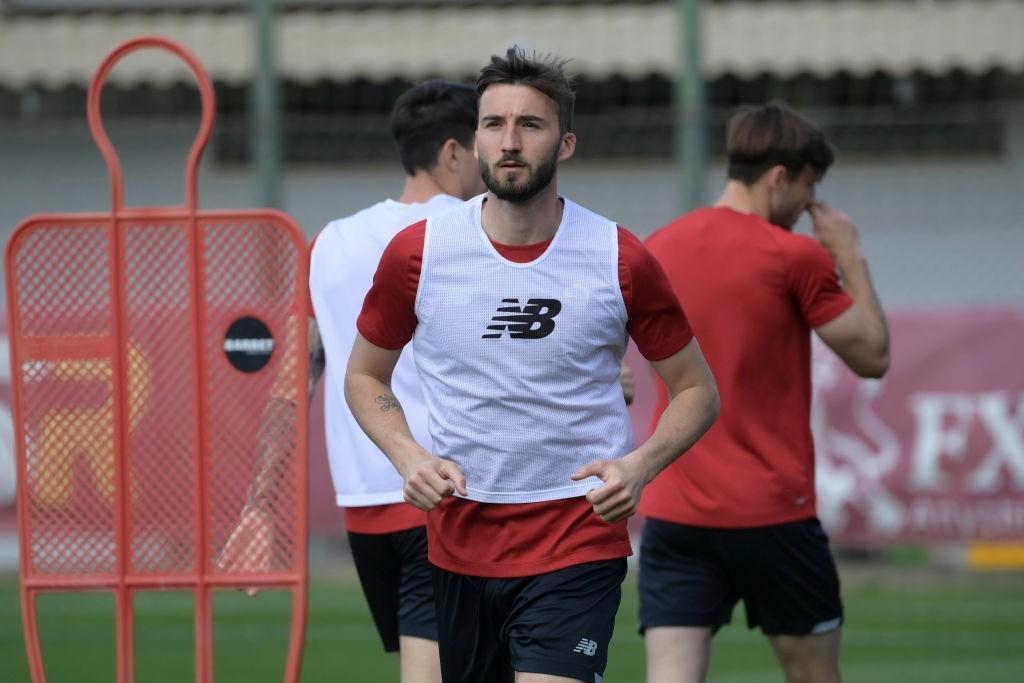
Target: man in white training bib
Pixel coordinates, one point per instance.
(519, 305)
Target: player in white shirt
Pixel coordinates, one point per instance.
(434, 125)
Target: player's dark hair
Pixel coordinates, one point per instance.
(428, 115)
(543, 72)
(766, 135)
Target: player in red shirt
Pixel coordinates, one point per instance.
(735, 518)
(519, 304)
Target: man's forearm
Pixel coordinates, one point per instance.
(853, 269)
(689, 414)
(317, 356)
(276, 440)
(276, 437)
(380, 414)
(838, 235)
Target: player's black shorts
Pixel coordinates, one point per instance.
(558, 623)
(396, 580)
(784, 573)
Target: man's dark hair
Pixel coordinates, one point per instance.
(543, 72)
(428, 115)
(766, 135)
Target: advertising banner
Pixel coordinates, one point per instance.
(932, 453)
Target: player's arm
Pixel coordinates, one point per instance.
(276, 435)
(691, 411)
(250, 545)
(374, 405)
(860, 335)
(317, 356)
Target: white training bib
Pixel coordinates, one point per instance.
(344, 260)
(520, 361)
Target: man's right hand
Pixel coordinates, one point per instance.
(835, 230)
(430, 479)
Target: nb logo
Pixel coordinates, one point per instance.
(587, 647)
(535, 320)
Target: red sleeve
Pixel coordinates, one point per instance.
(657, 322)
(388, 316)
(813, 282)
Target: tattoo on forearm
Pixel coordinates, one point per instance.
(388, 402)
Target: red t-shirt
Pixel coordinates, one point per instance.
(752, 292)
(383, 519)
(522, 539)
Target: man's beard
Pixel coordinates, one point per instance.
(521, 191)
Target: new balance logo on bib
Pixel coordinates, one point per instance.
(535, 320)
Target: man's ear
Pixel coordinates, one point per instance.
(446, 156)
(568, 146)
(777, 176)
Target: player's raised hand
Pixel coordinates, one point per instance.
(250, 546)
(430, 480)
(617, 498)
(834, 229)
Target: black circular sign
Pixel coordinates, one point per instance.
(248, 344)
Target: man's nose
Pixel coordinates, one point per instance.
(510, 141)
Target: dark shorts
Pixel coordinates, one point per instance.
(784, 573)
(396, 580)
(558, 623)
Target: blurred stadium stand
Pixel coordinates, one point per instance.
(925, 101)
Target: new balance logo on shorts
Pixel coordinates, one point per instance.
(587, 647)
(535, 320)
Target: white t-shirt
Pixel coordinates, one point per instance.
(341, 270)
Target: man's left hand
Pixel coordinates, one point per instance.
(618, 497)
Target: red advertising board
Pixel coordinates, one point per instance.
(934, 452)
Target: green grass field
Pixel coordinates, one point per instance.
(936, 629)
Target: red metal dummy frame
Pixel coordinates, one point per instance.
(202, 582)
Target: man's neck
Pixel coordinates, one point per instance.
(421, 187)
(530, 222)
(745, 199)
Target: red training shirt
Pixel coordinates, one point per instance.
(383, 519)
(522, 539)
(753, 292)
